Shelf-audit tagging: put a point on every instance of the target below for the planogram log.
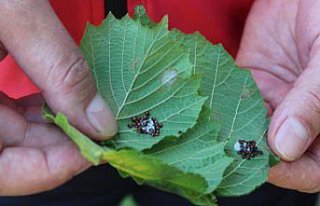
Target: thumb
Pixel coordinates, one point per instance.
(35, 37)
(296, 121)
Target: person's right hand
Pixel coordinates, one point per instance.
(281, 45)
(36, 156)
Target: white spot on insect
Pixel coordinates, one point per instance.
(148, 126)
(169, 77)
(237, 146)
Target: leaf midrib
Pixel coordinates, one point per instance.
(137, 73)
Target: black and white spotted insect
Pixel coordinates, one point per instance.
(247, 149)
(146, 124)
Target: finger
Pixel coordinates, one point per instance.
(12, 126)
(3, 52)
(295, 123)
(32, 107)
(34, 157)
(31, 100)
(15, 130)
(7, 101)
(26, 171)
(300, 175)
(273, 69)
(34, 114)
(52, 60)
(29, 106)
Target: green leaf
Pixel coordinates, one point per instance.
(128, 201)
(237, 106)
(196, 151)
(138, 69)
(140, 66)
(143, 168)
(192, 166)
(88, 149)
(207, 200)
(142, 17)
(47, 113)
(273, 160)
(148, 169)
(151, 170)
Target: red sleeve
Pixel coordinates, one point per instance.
(220, 21)
(74, 14)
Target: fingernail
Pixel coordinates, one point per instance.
(291, 139)
(101, 117)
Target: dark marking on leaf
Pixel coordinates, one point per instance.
(247, 149)
(146, 125)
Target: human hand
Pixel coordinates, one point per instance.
(281, 45)
(36, 156)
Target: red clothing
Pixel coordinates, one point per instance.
(74, 14)
(220, 21)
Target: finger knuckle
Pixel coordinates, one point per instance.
(71, 73)
(76, 72)
(313, 100)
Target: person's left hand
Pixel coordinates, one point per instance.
(281, 45)
(35, 155)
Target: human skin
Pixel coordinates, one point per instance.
(36, 156)
(281, 46)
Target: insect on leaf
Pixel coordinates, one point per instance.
(139, 69)
(143, 168)
(142, 68)
(236, 105)
(196, 151)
